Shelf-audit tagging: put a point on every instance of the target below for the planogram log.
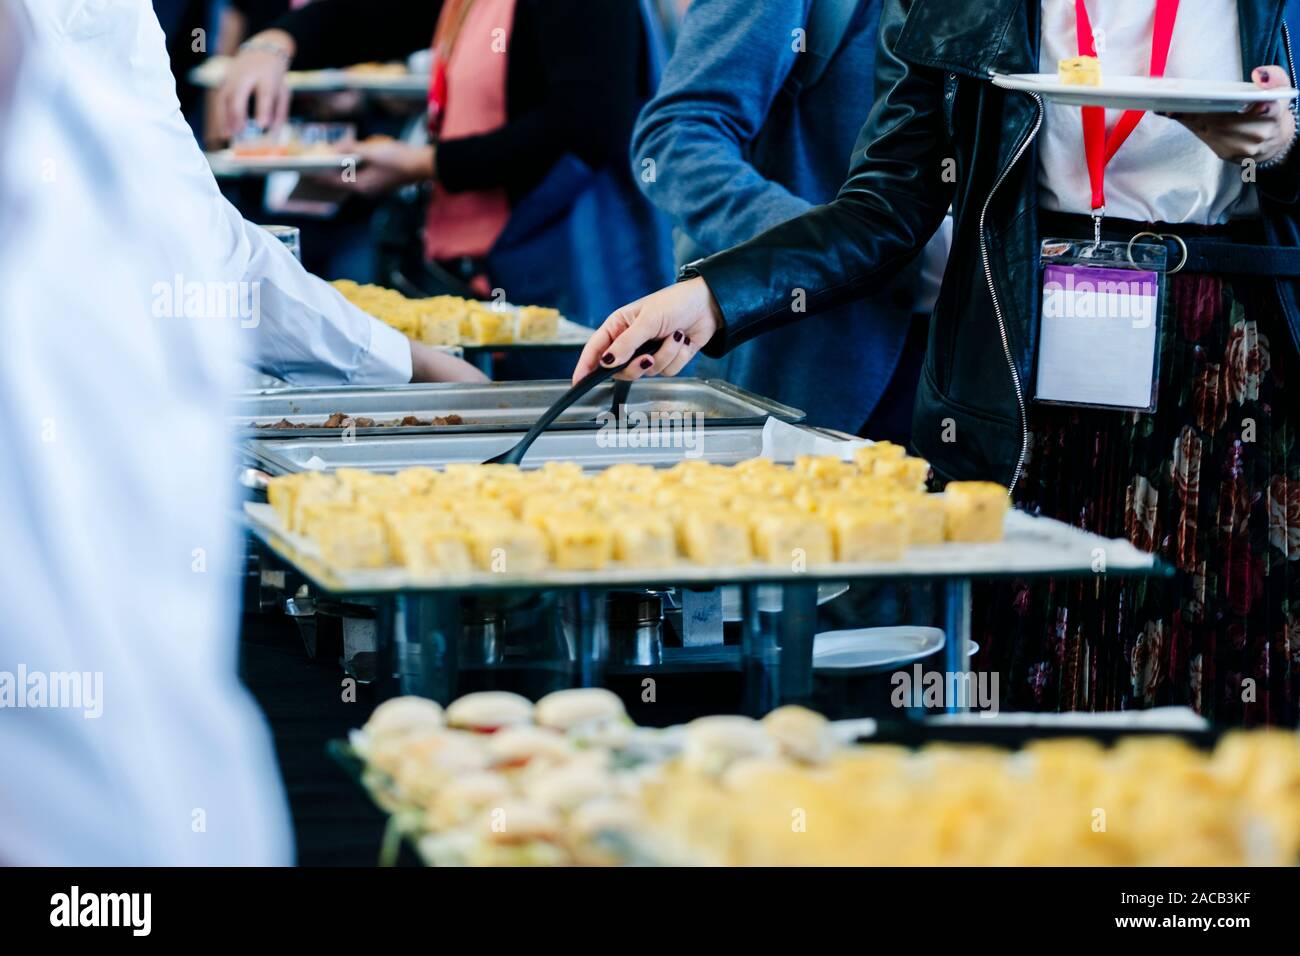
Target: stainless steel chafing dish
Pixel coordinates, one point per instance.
(591, 449)
(500, 406)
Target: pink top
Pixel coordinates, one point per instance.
(469, 223)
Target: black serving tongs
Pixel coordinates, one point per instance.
(515, 455)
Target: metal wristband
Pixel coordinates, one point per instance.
(255, 45)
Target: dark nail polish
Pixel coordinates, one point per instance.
(607, 358)
(647, 362)
(1263, 76)
(688, 340)
(677, 336)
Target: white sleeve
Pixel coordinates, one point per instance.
(303, 331)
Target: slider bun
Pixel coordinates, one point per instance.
(404, 715)
(517, 745)
(489, 710)
(570, 786)
(566, 709)
(714, 742)
(801, 733)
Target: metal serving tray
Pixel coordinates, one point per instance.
(495, 407)
(589, 448)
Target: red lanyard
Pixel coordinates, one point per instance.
(1099, 146)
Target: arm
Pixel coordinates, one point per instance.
(590, 51)
(731, 60)
(892, 203)
(302, 330)
(894, 200)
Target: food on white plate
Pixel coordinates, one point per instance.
(489, 711)
(1080, 71)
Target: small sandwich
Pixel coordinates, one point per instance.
(714, 743)
(802, 734)
(524, 745)
(391, 726)
(464, 798)
(1080, 71)
(400, 715)
(587, 715)
(567, 787)
(489, 711)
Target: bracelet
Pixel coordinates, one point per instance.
(255, 45)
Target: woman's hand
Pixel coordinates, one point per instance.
(387, 165)
(257, 72)
(429, 364)
(1260, 134)
(684, 315)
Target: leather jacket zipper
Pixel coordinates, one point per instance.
(993, 292)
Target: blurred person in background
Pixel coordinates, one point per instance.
(127, 736)
(531, 109)
(750, 128)
(1210, 479)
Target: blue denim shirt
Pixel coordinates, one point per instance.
(731, 61)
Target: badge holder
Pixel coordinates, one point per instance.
(1099, 326)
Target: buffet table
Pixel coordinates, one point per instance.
(421, 619)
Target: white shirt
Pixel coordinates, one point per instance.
(117, 491)
(1163, 173)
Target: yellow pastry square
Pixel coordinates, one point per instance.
(490, 327)
(904, 474)
(538, 324)
(822, 467)
(927, 519)
(644, 543)
(579, 545)
(869, 534)
(439, 328)
(1080, 71)
(787, 538)
(867, 456)
(976, 511)
(714, 538)
(351, 541)
(508, 547)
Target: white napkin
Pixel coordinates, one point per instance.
(785, 442)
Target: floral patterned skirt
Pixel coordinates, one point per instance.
(1211, 482)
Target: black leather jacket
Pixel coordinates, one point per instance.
(942, 134)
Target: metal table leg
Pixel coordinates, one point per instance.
(957, 629)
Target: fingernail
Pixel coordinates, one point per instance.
(647, 362)
(607, 358)
(688, 340)
(1263, 76)
(677, 336)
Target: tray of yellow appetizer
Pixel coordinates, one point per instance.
(494, 779)
(469, 323)
(470, 526)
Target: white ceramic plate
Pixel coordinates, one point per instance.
(1157, 94)
(873, 649)
(226, 163)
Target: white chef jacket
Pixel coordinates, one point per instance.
(117, 548)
